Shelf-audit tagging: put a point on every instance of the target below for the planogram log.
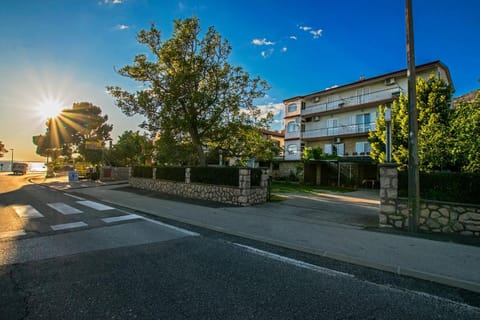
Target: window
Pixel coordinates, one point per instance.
(292, 107)
(363, 122)
(332, 127)
(336, 149)
(362, 95)
(362, 148)
(292, 126)
(292, 149)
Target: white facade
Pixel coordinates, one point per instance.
(339, 119)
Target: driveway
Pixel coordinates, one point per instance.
(359, 208)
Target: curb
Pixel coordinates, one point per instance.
(402, 271)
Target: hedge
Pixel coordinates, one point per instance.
(215, 175)
(142, 172)
(444, 186)
(255, 177)
(171, 173)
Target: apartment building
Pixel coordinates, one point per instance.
(338, 120)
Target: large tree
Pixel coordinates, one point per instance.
(191, 91)
(434, 114)
(465, 130)
(82, 129)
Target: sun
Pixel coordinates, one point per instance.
(48, 108)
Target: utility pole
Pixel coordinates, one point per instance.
(11, 166)
(413, 176)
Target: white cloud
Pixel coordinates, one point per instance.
(267, 53)
(305, 28)
(274, 108)
(293, 37)
(284, 49)
(121, 27)
(262, 42)
(110, 1)
(316, 34)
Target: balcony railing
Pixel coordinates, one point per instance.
(337, 131)
(350, 101)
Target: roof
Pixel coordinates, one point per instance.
(274, 133)
(362, 82)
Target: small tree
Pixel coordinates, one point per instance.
(81, 129)
(434, 114)
(192, 93)
(465, 130)
(2, 149)
(131, 149)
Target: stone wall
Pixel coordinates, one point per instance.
(108, 173)
(243, 195)
(435, 216)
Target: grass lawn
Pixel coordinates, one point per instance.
(288, 187)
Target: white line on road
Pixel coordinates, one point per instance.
(294, 262)
(121, 218)
(64, 208)
(95, 205)
(73, 196)
(27, 211)
(12, 234)
(71, 225)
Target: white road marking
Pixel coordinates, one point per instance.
(294, 262)
(12, 234)
(27, 212)
(64, 208)
(73, 196)
(71, 225)
(121, 218)
(95, 205)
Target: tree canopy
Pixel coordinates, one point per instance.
(448, 138)
(82, 129)
(131, 149)
(192, 96)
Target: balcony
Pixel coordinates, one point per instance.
(338, 131)
(351, 101)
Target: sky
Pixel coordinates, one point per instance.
(57, 52)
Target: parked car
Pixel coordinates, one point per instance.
(20, 168)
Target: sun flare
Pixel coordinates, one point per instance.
(49, 108)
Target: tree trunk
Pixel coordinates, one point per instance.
(197, 143)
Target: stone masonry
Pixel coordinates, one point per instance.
(243, 195)
(435, 216)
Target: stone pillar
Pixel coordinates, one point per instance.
(154, 173)
(187, 175)
(388, 193)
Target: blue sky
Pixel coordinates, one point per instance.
(60, 52)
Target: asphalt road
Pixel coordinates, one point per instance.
(144, 269)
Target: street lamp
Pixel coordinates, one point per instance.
(12, 159)
(388, 140)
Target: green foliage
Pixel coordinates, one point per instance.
(228, 176)
(444, 186)
(131, 149)
(191, 94)
(465, 130)
(310, 153)
(434, 114)
(142, 172)
(171, 173)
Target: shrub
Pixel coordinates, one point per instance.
(142, 172)
(444, 186)
(215, 175)
(171, 173)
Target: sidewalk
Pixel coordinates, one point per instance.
(447, 263)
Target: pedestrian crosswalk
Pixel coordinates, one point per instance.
(83, 212)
